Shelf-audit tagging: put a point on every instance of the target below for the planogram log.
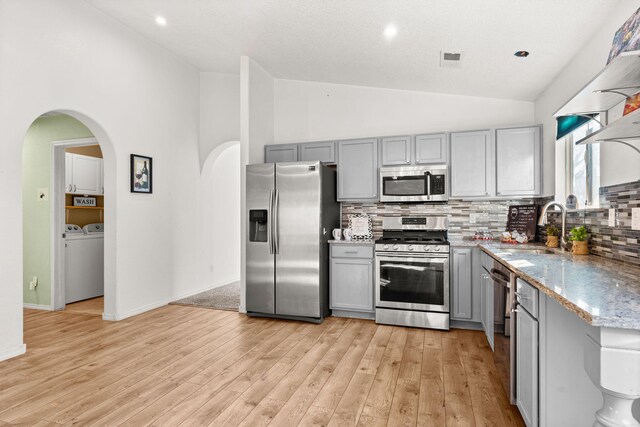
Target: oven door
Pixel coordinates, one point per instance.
(412, 281)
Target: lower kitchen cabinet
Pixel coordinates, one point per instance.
(527, 374)
(461, 288)
(351, 287)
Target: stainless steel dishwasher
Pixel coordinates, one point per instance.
(504, 355)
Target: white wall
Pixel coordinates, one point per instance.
(619, 164)
(135, 98)
(219, 111)
(220, 217)
(311, 111)
(256, 130)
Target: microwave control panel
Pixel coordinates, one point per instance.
(437, 184)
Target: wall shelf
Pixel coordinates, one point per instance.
(610, 87)
(626, 127)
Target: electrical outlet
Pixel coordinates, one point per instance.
(34, 283)
(612, 217)
(635, 219)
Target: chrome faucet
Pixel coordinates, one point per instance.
(563, 211)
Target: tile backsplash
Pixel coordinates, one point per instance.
(466, 217)
(620, 242)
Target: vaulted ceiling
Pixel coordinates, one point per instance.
(341, 41)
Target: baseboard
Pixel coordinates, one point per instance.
(13, 353)
(121, 316)
(37, 306)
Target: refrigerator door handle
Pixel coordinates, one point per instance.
(270, 229)
(275, 216)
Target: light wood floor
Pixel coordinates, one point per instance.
(188, 366)
(93, 306)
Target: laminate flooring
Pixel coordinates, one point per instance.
(188, 366)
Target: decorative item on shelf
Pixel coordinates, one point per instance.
(513, 237)
(523, 219)
(632, 104)
(361, 227)
(579, 237)
(347, 234)
(552, 236)
(337, 234)
(141, 174)
(85, 201)
(572, 202)
(627, 38)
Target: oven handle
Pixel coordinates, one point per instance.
(393, 256)
(500, 278)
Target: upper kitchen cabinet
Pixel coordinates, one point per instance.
(472, 165)
(358, 170)
(431, 148)
(320, 151)
(281, 153)
(83, 174)
(396, 150)
(518, 154)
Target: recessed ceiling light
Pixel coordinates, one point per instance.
(161, 20)
(521, 54)
(390, 31)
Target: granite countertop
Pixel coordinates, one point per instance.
(602, 292)
(352, 242)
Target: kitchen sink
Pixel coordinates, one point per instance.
(528, 251)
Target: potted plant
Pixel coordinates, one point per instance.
(578, 235)
(552, 236)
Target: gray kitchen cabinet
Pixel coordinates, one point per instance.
(486, 305)
(518, 157)
(431, 148)
(281, 153)
(358, 170)
(461, 298)
(351, 285)
(396, 150)
(320, 151)
(472, 164)
(527, 366)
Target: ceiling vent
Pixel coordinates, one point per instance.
(450, 59)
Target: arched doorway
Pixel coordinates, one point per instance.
(219, 235)
(48, 204)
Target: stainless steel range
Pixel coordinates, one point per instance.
(412, 272)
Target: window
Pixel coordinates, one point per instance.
(583, 166)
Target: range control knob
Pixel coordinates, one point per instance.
(437, 248)
(385, 247)
(410, 247)
(426, 248)
(395, 247)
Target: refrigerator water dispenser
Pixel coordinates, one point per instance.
(258, 225)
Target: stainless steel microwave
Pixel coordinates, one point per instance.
(426, 183)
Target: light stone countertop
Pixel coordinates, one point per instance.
(602, 292)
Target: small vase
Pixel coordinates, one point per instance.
(552, 241)
(580, 248)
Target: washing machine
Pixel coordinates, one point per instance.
(84, 262)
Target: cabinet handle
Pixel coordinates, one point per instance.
(351, 252)
(521, 295)
(486, 276)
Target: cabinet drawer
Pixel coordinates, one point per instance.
(346, 250)
(527, 297)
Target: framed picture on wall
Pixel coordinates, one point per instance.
(141, 174)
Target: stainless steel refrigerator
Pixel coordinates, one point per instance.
(291, 212)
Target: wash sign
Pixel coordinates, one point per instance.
(84, 201)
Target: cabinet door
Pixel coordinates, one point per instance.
(87, 174)
(431, 148)
(68, 172)
(518, 168)
(396, 150)
(461, 286)
(527, 367)
(281, 153)
(321, 151)
(352, 284)
(358, 170)
(472, 166)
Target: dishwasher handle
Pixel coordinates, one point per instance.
(499, 277)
